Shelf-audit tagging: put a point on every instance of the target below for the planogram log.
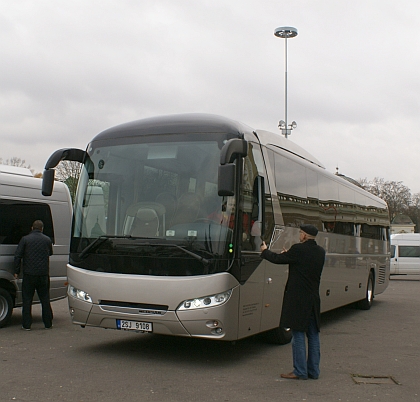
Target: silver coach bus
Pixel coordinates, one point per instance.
(170, 214)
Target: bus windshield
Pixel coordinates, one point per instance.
(149, 206)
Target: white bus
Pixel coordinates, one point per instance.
(21, 203)
(170, 214)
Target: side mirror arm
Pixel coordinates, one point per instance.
(69, 154)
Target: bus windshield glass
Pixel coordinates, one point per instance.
(148, 205)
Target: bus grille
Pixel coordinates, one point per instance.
(143, 308)
(382, 274)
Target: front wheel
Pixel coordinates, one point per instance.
(366, 303)
(6, 307)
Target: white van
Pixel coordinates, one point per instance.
(405, 254)
(21, 203)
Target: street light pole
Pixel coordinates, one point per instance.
(286, 33)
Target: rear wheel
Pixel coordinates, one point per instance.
(366, 303)
(6, 307)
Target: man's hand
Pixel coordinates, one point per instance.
(263, 246)
(16, 276)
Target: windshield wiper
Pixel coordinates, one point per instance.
(198, 257)
(102, 239)
(98, 242)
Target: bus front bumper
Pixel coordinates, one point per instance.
(212, 323)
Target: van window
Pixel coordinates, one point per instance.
(16, 219)
(409, 251)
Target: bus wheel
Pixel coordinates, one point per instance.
(6, 307)
(278, 336)
(366, 303)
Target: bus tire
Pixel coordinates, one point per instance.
(6, 307)
(278, 336)
(366, 303)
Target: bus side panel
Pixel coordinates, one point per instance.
(250, 303)
(382, 274)
(343, 281)
(274, 285)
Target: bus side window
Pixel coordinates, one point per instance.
(256, 200)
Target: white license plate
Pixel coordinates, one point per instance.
(135, 325)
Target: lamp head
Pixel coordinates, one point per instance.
(285, 32)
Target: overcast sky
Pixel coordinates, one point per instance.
(70, 69)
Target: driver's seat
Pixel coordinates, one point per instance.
(143, 219)
(145, 224)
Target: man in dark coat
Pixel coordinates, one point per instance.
(35, 250)
(301, 303)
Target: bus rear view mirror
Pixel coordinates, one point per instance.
(232, 149)
(226, 182)
(65, 154)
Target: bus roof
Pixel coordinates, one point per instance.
(177, 123)
(276, 140)
(202, 123)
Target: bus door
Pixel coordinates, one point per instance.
(262, 291)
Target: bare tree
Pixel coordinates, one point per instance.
(414, 210)
(394, 193)
(69, 172)
(15, 161)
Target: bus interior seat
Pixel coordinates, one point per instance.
(144, 219)
(145, 224)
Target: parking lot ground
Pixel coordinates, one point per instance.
(366, 356)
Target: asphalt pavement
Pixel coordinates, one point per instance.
(365, 356)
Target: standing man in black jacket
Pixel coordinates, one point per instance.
(35, 250)
(301, 303)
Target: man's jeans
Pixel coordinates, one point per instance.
(41, 284)
(305, 367)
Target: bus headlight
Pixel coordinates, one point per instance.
(79, 294)
(206, 301)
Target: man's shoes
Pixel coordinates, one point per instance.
(49, 327)
(25, 329)
(291, 376)
(312, 377)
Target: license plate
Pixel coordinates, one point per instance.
(135, 325)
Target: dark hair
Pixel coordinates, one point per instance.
(38, 225)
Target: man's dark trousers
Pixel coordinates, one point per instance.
(40, 283)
